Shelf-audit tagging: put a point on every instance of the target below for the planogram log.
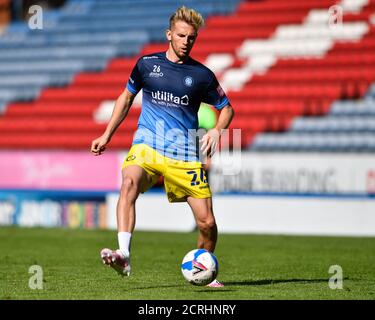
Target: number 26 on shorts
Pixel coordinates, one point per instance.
(194, 178)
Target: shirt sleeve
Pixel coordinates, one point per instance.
(135, 82)
(215, 95)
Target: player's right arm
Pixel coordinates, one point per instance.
(120, 111)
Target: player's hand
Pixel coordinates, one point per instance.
(210, 142)
(98, 145)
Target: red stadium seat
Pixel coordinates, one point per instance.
(64, 117)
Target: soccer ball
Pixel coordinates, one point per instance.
(199, 267)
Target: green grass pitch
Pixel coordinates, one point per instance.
(251, 266)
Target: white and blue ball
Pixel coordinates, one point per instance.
(199, 267)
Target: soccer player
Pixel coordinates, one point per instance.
(165, 142)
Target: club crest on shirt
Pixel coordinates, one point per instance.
(188, 81)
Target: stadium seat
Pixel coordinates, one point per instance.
(83, 57)
(277, 61)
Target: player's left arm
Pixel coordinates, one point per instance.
(225, 118)
(211, 139)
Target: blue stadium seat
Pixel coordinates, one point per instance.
(34, 80)
(333, 124)
(364, 107)
(49, 67)
(83, 36)
(371, 91)
(314, 142)
(21, 95)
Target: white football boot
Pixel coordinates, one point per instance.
(117, 261)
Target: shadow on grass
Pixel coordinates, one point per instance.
(217, 290)
(156, 287)
(262, 282)
(206, 289)
(271, 281)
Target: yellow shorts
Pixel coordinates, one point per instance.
(181, 179)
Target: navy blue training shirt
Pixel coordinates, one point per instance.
(172, 94)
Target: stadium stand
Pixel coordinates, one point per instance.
(343, 73)
(67, 69)
(297, 83)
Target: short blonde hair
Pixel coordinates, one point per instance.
(190, 16)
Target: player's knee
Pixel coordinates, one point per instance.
(207, 225)
(128, 188)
